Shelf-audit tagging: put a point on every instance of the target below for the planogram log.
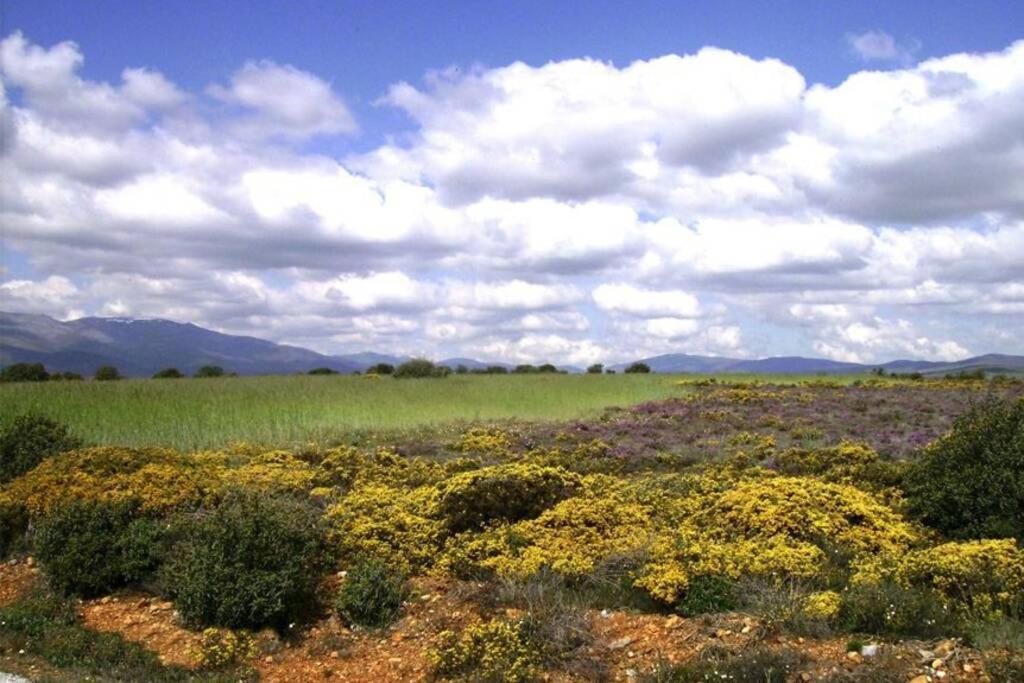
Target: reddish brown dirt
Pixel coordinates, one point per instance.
(624, 644)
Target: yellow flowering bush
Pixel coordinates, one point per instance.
(495, 650)
(158, 479)
(508, 492)
(847, 457)
(486, 441)
(389, 523)
(219, 648)
(985, 576)
(570, 539)
(772, 527)
(758, 445)
(278, 471)
(823, 605)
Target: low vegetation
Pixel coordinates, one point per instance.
(758, 499)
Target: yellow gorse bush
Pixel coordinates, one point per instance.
(495, 650)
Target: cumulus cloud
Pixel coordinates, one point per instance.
(577, 211)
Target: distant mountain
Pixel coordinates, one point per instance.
(139, 347)
(680, 362)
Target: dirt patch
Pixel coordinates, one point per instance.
(16, 578)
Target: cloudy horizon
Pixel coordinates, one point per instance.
(573, 210)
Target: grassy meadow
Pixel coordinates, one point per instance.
(286, 410)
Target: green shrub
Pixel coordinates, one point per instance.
(48, 626)
(13, 524)
(887, 609)
(91, 547)
(322, 371)
(107, 373)
(509, 492)
(210, 371)
(419, 368)
(66, 376)
(1006, 667)
(254, 561)
(381, 369)
(169, 373)
(707, 594)
(27, 440)
(24, 372)
(759, 665)
(970, 483)
(372, 594)
(595, 369)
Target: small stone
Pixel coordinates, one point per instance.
(920, 679)
(105, 600)
(853, 656)
(944, 648)
(620, 643)
(940, 675)
(671, 622)
(30, 561)
(938, 663)
(269, 659)
(745, 630)
(968, 668)
(805, 676)
(605, 613)
(631, 673)
(335, 654)
(869, 650)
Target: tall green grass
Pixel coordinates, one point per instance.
(282, 411)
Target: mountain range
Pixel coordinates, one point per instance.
(139, 347)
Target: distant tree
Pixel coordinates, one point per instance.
(322, 371)
(609, 371)
(595, 369)
(107, 373)
(210, 371)
(496, 370)
(638, 367)
(66, 376)
(524, 369)
(24, 372)
(420, 367)
(461, 369)
(547, 367)
(169, 373)
(381, 369)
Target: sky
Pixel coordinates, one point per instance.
(573, 182)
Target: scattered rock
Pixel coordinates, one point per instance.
(945, 648)
(620, 643)
(869, 650)
(920, 679)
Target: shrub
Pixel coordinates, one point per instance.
(322, 371)
(547, 368)
(27, 440)
(220, 648)
(707, 594)
(525, 369)
(48, 626)
(888, 609)
(158, 479)
(107, 373)
(381, 369)
(66, 376)
(970, 483)
(508, 493)
(169, 373)
(418, 368)
(1006, 667)
(91, 548)
(254, 561)
(24, 372)
(13, 524)
(638, 367)
(210, 371)
(496, 651)
(372, 594)
(595, 369)
(388, 523)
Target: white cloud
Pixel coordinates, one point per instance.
(708, 203)
(285, 101)
(879, 46)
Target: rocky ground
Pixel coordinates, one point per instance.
(623, 647)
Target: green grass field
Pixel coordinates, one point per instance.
(280, 411)
(289, 410)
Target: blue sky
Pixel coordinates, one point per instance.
(735, 178)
